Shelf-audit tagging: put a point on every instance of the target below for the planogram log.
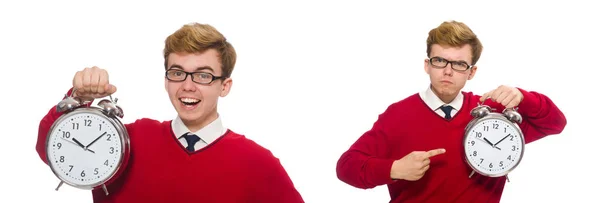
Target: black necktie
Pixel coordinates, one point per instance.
(447, 110)
(191, 140)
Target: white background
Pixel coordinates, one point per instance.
(310, 79)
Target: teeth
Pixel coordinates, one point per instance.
(189, 100)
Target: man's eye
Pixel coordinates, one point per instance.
(205, 76)
(461, 64)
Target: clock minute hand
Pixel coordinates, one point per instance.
(502, 139)
(95, 140)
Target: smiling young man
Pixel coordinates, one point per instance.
(419, 158)
(192, 158)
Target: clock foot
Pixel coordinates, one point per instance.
(105, 190)
(472, 172)
(507, 179)
(60, 184)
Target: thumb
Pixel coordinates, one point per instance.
(484, 97)
(110, 89)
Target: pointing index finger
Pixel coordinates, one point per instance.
(435, 152)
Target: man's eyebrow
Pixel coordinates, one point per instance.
(205, 68)
(176, 66)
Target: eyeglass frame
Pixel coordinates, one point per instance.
(192, 76)
(449, 62)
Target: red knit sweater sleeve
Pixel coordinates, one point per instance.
(541, 117)
(365, 165)
(272, 183)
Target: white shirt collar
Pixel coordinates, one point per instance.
(208, 134)
(434, 102)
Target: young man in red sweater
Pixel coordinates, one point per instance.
(415, 146)
(192, 158)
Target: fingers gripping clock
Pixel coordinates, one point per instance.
(87, 147)
(493, 142)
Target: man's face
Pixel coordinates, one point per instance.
(196, 104)
(446, 82)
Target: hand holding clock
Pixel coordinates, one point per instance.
(509, 97)
(92, 83)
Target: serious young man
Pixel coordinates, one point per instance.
(192, 158)
(420, 158)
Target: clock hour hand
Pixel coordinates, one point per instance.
(490, 143)
(81, 145)
(95, 140)
(78, 143)
(69, 141)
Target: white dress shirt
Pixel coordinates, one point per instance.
(434, 102)
(208, 134)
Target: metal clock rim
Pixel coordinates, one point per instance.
(492, 115)
(125, 144)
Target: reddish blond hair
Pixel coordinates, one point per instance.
(197, 38)
(455, 34)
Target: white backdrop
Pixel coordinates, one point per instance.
(310, 79)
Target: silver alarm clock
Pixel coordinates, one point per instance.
(87, 147)
(493, 142)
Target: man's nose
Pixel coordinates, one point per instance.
(448, 69)
(189, 84)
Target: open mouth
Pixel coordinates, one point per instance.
(189, 101)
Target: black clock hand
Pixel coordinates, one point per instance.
(502, 139)
(95, 140)
(69, 141)
(81, 145)
(78, 143)
(486, 140)
(490, 143)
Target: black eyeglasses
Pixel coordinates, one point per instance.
(439, 62)
(197, 77)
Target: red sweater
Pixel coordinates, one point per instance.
(231, 169)
(410, 125)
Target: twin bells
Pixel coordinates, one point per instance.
(510, 113)
(109, 106)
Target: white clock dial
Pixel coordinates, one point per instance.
(84, 149)
(494, 146)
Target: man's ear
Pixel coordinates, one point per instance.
(473, 71)
(226, 87)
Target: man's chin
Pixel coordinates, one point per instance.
(189, 116)
(444, 90)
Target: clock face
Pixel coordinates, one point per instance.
(84, 149)
(493, 146)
